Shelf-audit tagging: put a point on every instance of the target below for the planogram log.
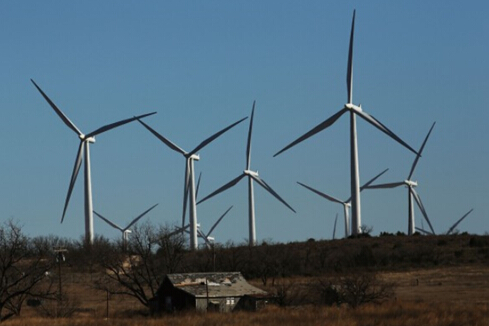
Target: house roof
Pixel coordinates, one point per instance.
(202, 285)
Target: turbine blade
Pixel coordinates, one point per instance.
(221, 189)
(178, 230)
(63, 117)
(368, 183)
(218, 221)
(139, 217)
(323, 125)
(116, 124)
(203, 236)
(267, 187)
(420, 152)
(163, 139)
(349, 74)
(386, 185)
(248, 146)
(372, 180)
(76, 169)
(213, 137)
(370, 119)
(458, 222)
(115, 226)
(421, 207)
(328, 197)
(198, 186)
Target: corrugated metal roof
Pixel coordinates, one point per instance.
(201, 285)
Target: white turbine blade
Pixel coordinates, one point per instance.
(370, 119)
(185, 190)
(267, 187)
(334, 226)
(218, 221)
(328, 197)
(386, 185)
(76, 169)
(421, 207)
(323, 125)
(202, 235)
(139, 217)
(458, 222)
(420, 152)
(368, 183)
(198, 186)
(349, 74)
(163, 139)
(248, 145)
(423, 231)
(213, 137)
(221, 189)
(116, 124)
(115, 226)
(63, 117)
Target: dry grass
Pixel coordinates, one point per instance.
(445, 296)
(393, 313)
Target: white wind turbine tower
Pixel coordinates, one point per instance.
(450, 230)
(252, 175)
(354, 111)
(189, 182)
(125, 231)
(410, 184)
(334, 227)
(84, 150)
(347, 203)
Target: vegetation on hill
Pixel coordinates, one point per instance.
(318, 273)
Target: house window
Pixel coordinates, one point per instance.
(229, 301)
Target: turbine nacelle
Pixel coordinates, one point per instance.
(411, 183)
(251, 173)
(89, 139)
(194, 157)
(353, 107)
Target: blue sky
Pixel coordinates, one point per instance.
(201, 65)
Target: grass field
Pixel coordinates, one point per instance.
(440, 296)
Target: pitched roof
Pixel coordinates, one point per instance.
(201, 285)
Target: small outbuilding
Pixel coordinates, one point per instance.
(222, 292)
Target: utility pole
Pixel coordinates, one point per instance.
(59, 252)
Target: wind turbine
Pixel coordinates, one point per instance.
(354, 111)
(125, 231)
(189, 182)
(410, 184)
(84, 150)
(207, 238)
(450, 230)
(347, 203)
(252, 175)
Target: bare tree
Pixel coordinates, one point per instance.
(23, 265)
(137, 271)
(359, 288)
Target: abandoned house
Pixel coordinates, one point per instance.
(207, 291)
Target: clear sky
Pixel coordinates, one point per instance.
(201, 64)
